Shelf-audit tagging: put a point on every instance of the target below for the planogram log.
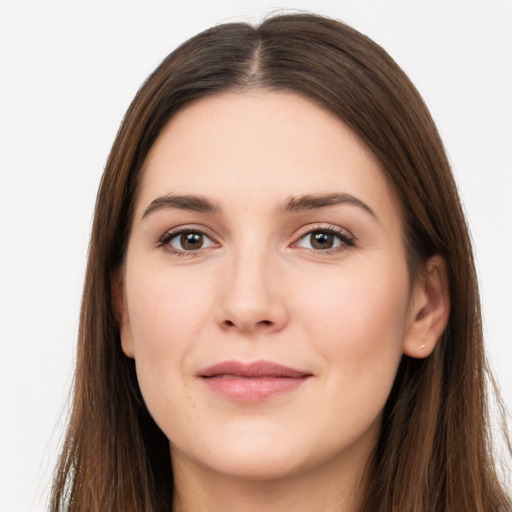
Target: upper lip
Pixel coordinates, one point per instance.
(252, 369)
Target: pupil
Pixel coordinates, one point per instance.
(322, 240)
(191, 241)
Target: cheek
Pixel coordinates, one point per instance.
(167, 313)
(357, 320)
(166, 310)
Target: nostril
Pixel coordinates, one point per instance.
(230, 323)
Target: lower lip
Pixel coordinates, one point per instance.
(253, 389)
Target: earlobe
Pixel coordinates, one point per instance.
(429, 311)
(121, 313)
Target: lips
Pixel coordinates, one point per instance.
(252, 382)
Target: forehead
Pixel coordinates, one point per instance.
(260, 146)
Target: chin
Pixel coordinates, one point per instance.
(257, 464)
(256, 455)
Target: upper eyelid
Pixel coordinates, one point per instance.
(310, 228)
(198, 228)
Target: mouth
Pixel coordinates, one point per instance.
(252, 382)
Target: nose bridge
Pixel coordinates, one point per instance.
(250, 298)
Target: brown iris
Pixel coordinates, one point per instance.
(191, 241)
(322, 240)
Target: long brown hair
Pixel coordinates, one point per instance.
(434, 452)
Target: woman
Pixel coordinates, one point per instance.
(280, 309)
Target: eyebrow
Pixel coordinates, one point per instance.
(316, 201)
(182, 202)
(294, 204)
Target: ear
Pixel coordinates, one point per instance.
(429, 309)
(121, 313)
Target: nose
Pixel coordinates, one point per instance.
(251, 295)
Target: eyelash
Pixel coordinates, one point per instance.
(166, 239)
(346, 240)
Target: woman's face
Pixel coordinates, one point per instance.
(266, 296)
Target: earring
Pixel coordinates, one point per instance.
(422, 346)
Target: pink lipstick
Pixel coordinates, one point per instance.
(252, 382)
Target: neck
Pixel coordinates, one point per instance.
(336, 487)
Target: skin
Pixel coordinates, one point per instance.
(257, 289)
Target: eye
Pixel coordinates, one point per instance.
(324, 240)
(186, 241)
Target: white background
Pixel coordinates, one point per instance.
(68, 72)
